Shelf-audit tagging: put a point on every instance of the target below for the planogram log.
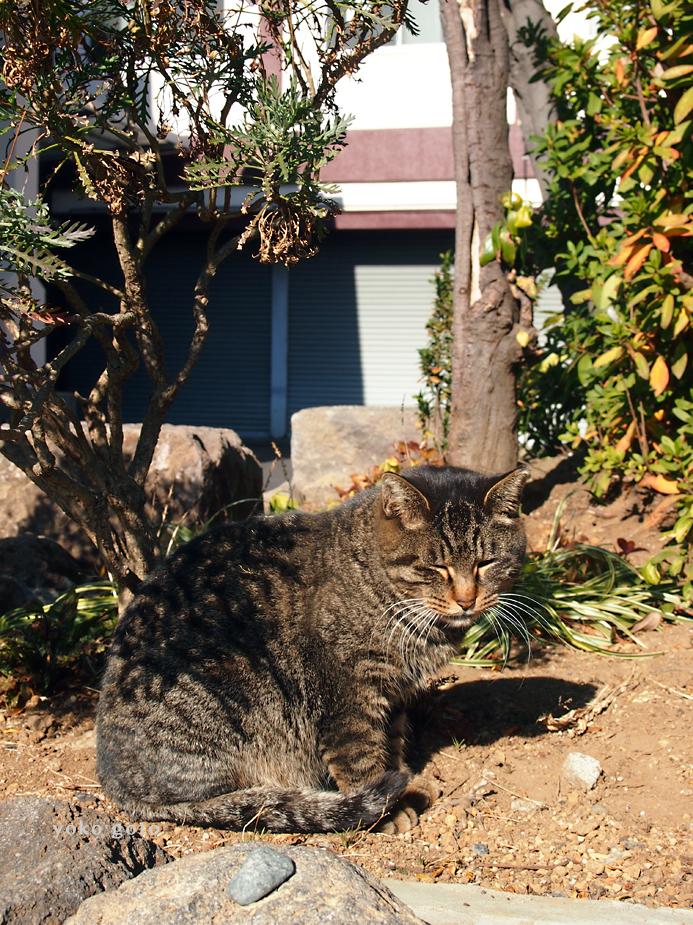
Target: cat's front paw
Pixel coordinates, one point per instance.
(421, 793)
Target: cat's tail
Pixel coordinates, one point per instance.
(276, 810)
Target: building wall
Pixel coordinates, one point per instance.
(355, 319)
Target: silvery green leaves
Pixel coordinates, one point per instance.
(27, 241)
(282, 143)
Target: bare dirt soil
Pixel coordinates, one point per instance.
(495, 743)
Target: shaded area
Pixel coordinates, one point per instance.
(482, 712)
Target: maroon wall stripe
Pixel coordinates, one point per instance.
(383, 221)
(401, 154)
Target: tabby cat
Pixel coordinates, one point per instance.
(261, 675)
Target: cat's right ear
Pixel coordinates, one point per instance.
(400, 499)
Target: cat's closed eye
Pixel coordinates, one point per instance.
(483, 567)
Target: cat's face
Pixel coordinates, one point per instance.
(452, 539)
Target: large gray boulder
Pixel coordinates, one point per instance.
(329, 445)
(46, 872)
(193, 891)
(209, 468)
(196, 472)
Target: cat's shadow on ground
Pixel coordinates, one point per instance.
(485, 711)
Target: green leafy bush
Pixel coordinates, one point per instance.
(620, 220)
(436, 365)
(41, 644)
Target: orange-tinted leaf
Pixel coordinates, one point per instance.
(646, 37)
(637, 260)
(635, 237)
(634, 166)
(620, 71)
(661, 242)
(659, 375)
(622, 256)
(621, 158)
(662, 484)
(626, 440)
(679, 70)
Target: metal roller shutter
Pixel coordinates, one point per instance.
(357, 316)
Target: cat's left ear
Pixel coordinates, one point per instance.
(400, 499)
(504, 497)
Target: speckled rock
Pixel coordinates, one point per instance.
(192, 891)
(46, 871)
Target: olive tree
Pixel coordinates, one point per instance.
(116, 87)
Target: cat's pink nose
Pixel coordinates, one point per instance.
(466, 605)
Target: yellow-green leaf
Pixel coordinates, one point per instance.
(584, 295)
(651, 573)
(681, 322)
(642, 366)
(667, 311)
(680, 361)
(682, 528)
(608, 291)
(684, 106)
(645, 173)
(613, 354)
(659, 375)
(522, 338)
(645, 36)
(680, 70)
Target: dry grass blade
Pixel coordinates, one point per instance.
(576, 722)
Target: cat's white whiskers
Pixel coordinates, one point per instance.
(519, 601)
(409, 631)
(517, 621)
(433, 616)
(494, 616)
(399, 617)
(417, 631)
(401, 604)
(531, 613)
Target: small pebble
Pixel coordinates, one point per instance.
(581, 771)
(264, 870)
(480, 849)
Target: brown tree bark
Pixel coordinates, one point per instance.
(487, 315)
(534, 106)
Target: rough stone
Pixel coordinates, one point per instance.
(212, 471)
(330, 444)
(581, 771)
(44, 877)
(34, 568)
(263, 871)
(192, 891)
(195, 473)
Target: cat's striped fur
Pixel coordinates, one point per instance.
(261, 675)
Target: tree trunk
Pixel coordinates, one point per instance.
(533, 101)
(486, 314)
